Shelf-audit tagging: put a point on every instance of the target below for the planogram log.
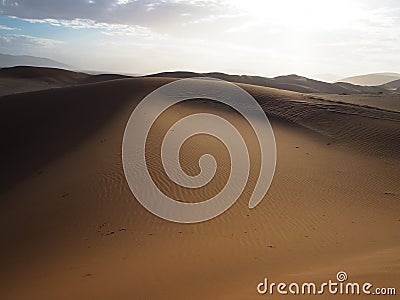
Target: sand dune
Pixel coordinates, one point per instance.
(293, 83)
(372, 79)
(74, 231)
(26, 79)
(382, 102)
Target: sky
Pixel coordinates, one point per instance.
(325, 40)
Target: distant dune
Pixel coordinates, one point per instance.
(371, 79)
(25, 79)
(7, 60)
(390, 103)
(73, 230)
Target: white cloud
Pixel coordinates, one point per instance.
(3, 27)
(122, 2)
(125, 30)
(27, 40)
(106, 28)
(146, 13)
(75, 23)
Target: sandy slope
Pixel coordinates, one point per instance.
(71, 228)
(385, 102)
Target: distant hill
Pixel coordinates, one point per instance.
(22, 79)
(294, 83)
(371, 79)
(7, 60)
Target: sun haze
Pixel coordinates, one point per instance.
(319, 39)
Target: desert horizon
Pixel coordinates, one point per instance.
(38, 77)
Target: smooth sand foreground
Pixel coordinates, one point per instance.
(71, 228)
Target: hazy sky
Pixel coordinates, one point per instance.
(311, 37)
